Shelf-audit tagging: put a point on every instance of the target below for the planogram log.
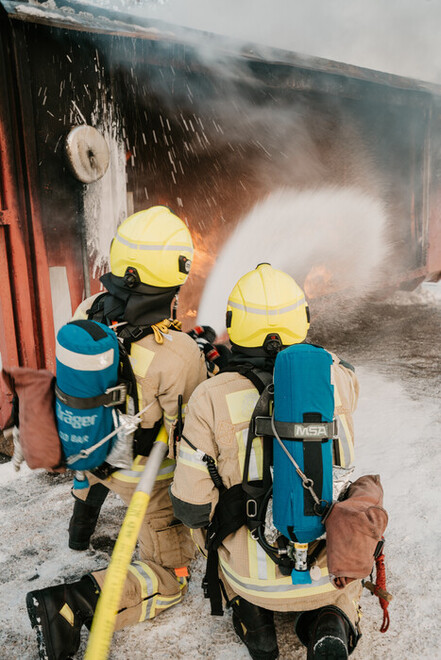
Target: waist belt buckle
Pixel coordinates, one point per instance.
(117, 395)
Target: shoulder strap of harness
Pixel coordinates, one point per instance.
(250, 372)
(229, 516)
(127, 375)
(258, 488)
(128, 334)
(96, 311)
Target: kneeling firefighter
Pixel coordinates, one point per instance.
(150, 258)
(233, 470)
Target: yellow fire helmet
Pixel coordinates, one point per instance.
(153, 247)
(267, 308)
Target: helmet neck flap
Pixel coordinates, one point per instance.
(257, 357)
(142, 305)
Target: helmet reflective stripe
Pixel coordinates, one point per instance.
(83, 362)
(158, 246)
(267, 310)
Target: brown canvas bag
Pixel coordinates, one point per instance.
(354, 527)
(39, 439)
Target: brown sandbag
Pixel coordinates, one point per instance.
(354, 527)
(39, 439)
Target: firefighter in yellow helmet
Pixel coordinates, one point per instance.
(266, 313)
(150, 258)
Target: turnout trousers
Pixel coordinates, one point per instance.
(158, 579)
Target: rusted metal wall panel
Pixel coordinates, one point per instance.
(26, 320)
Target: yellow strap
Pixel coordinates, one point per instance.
(162, 327)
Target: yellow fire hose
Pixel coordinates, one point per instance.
(107, 607)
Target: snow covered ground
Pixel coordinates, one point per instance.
(396, 350)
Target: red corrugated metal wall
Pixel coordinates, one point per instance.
(27, 337)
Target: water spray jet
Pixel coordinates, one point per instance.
(331, 240)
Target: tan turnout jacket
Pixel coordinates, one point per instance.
(217, 422)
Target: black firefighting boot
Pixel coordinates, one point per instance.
(255, 627)
(85, 517)
(58, 613)
(327, 633)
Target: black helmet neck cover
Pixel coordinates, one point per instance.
(140, 305)
(253, 356)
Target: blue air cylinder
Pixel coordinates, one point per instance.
(87, 357)
(302, 393)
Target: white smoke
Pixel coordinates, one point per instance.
(398, 36)
(312, 222)
(331, 240)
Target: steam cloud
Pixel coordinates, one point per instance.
(330, 240)
(399, 36)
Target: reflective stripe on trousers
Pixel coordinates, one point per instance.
(152, 601)
(133, 475)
